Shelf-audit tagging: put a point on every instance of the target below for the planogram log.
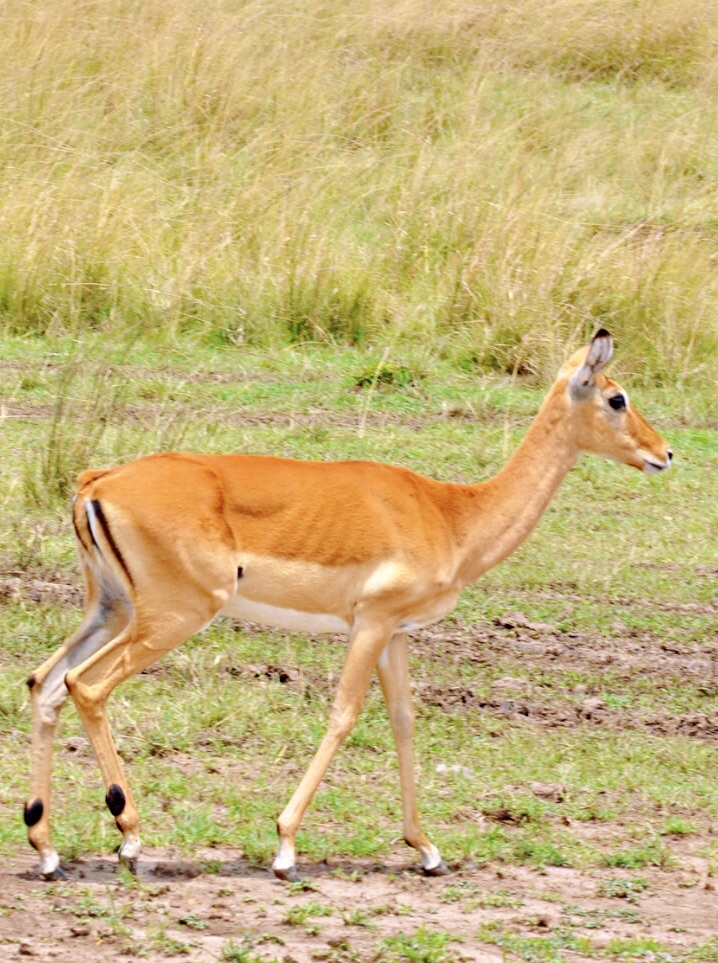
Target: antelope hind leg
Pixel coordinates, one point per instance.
(48, 693)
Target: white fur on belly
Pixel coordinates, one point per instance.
(311, 622)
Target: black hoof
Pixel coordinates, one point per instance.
(441, 870)
(288, 875)
(58, 873)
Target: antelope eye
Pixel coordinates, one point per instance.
(617, 402)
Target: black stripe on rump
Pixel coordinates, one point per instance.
(110, 540)
(77, 532)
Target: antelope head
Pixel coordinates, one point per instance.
(602, 418)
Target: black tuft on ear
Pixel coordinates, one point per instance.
(597, 357)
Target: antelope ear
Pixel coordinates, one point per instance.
(598, 355)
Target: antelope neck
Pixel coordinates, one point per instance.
(506, 508)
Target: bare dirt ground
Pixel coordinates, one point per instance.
(547, 654)
(179, 910)
(353, 910)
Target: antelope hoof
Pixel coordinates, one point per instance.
(289, 874)
(440, 870)
(49, 867)
(128, 854)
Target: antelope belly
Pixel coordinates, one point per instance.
(313, 623)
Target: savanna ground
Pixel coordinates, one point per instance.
(371, 230)
(567, 713)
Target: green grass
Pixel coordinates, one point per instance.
(616, 556)
(622, 888)
(423, 946)
(243, 953)
(491, 181)
(553, 948)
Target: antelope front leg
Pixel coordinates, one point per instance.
(393, 668)
(364, 649)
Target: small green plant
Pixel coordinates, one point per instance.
(355, 875)
(270, 938)
(455, 892)
(302, 886)
(422, 946)
(636, 857)
(114, 916)
(705, 953)
(134, 948)
(193, 922)
(628, 889)
(640, 947)
(300, 914)
(243, 952)
(617, 700)
(127, 880)
(677, 826)
(340, 951)
(625, 915)
(536, 949)
(168, 945)
(541, 852)
(356, 917)
(499, 898)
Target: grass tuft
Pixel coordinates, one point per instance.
(490, 181)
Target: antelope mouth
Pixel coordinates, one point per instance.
(655, 467)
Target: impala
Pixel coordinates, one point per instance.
(169, 542)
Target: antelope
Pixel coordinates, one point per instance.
(170, 541)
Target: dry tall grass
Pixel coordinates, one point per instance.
(492, 177)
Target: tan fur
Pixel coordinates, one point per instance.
(170, 541)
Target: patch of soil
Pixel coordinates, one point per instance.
(701, 608)
(19, 585)
(515, 644)
(346, 910)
